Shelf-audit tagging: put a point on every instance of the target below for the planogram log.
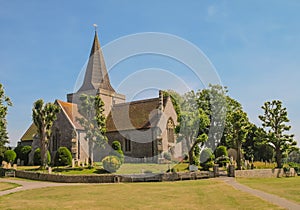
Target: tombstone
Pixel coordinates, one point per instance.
(15, 166)
(49, 170)
(193, 168)
(216, 170)
(73, 163)
(4, 164)
(18, 161)
(22, 162)
(8, 166)
(78, 163)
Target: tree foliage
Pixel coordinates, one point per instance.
(117, 150)
(43, 116)
(37, 158)
(5, 102)
(10, 156)
(93, 121)
(238, 132)
(192, 124)
(274, 121)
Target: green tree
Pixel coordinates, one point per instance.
(192, 124)
(238, 130)
(274, 122)
(43, 116)
(213, 101)
(10, 156)
(117, 150)
(93, 121)
(4, 104)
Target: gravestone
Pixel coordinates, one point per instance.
(18, 161)
(73, 163)
(15, 166)
(49, 170)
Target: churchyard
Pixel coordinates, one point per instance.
(199, 194)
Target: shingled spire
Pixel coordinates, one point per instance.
(96, 75)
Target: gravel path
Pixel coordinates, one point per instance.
(279, 201)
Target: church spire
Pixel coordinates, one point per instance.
(96, 75)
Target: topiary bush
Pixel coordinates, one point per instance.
(117, 151)
(207, 159)
(37, 157)
(10, 156)
(63, 157)
(111, 163)
(24, 154)
(221, 151)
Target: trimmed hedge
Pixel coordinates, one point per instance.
(10, 156)
(111, 163)
(117, 151)
(37, 157)
(63, 157)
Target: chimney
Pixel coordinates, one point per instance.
(161, 101)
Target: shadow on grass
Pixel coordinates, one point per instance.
(100, 171)
(59, 170)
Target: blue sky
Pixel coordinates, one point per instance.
(254, 46)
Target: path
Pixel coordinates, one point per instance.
(28, 185)
(279, 201)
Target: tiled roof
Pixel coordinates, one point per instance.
(72, 112)
(30, 133)
(96, 75)
(133, 115)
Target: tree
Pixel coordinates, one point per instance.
(43, 116)
(238, 130)
(193, 122)
(10, 156)
(274, 122)
(4, 104)
(93, 121)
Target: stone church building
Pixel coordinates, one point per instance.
(145, 128)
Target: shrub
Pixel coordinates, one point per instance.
(10, 156)
(37, 157)
(24, 154)
(117, 151)
(111, 163)
(207, 158)
(63, 157)
(167, 156)
(221, 151)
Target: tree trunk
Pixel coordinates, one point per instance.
(238, 157)
(91, 152)
(278, 158)
(43, 151)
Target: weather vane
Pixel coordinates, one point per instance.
(96, 26)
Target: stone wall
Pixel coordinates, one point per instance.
(113, 178)
(264, 173)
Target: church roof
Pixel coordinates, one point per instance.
(72, 113)
(133, 115)
(30, 133)
(96, 75)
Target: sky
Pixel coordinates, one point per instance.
(254, 47)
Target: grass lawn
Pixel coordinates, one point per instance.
(7, 186)
(288, 188)
(199, 194)
(127, 168)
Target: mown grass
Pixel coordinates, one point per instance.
(200, 194)
(286, 187)
(7, 186)
(127, 168)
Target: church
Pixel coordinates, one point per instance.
(145, 128)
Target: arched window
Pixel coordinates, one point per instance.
(170, 131)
